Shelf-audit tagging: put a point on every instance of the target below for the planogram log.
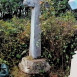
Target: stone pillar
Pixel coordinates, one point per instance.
(35, 38)
(31, 65)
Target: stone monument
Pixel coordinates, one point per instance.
(34, 65)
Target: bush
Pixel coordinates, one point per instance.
(58, 40)
(14, 39)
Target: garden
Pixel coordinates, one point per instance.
(58, 36)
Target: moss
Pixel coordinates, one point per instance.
(17, 73)
(29, 58)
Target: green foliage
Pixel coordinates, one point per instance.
(3, 61)
(60, 6)
(58, 40)
(14, 39)
(9, 8)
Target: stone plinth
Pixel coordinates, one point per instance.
(35, 66)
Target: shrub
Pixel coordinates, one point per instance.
(14, 39)
(58, 40)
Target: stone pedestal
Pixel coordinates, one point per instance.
(34, 66)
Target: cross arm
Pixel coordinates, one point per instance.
(29, 3)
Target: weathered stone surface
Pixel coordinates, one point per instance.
(35, 66)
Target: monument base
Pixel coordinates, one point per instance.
(34, 66)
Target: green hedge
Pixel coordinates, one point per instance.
(14, 39)
(58, 40)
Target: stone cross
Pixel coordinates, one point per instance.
(35, 37)
(73, 4)
(35, 65)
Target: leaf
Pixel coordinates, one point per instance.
(18, 56)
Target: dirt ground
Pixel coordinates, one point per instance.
(15, 72)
